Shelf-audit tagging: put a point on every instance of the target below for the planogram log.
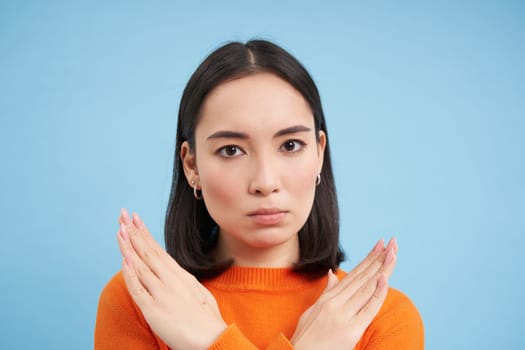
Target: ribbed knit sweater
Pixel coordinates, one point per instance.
(262, 307)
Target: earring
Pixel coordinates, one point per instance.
(195, 193)
(318, 180)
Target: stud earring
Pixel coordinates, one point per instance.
(318, 180)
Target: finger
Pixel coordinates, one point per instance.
(124, 216)
(123, 234)
(364, 271)
(390, 262)
(396, 247)
(348, 286)
(149, 280)
(122, 239)
(159, 251)
(138, 222)
(363, 285)
(376, 251)
(372, 256)
(156, 258)
(132, 239)
(149, 256)
(361, 296)
(332, 280)
(372, 307)
(141, 227)
(140, 295)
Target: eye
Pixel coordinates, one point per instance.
(293, 146)
(229, 151)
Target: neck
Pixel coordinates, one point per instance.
(284, 254)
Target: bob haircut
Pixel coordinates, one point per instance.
(190, 233)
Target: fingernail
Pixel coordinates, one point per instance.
(395, 244)
(123, 231)
(390, 243)
(379, 246)
(125, 216)
(137, 221)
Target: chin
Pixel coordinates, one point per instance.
(270, 238)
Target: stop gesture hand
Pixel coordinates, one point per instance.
(180, 310)
(340, 316)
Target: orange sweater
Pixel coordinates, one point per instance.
(262, 307)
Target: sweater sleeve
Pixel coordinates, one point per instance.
(397, 326)
(119, 323)
(233, 339)
(280, 343)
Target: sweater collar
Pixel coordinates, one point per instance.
(261, 278)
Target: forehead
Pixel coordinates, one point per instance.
(254, 103)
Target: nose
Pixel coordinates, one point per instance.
(264, 179)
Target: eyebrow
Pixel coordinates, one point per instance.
(292, 130)
(240, 135)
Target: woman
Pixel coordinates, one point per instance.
(251, 230)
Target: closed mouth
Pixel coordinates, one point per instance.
(267, 217)
(270, 211)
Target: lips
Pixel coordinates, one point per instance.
(270, 216)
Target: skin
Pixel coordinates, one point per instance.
(252, 155)
(255, 150)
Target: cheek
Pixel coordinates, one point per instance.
(220, 191)
(301, 181)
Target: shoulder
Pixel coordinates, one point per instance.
(398, 323)
(115, 301)
(115, 291)
(120, 323)
(399, 308)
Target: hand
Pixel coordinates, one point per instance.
(180, 310)
(340, 316)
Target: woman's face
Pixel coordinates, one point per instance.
(256, 161)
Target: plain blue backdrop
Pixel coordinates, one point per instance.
(425, 107)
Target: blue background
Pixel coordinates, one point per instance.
(425, 106)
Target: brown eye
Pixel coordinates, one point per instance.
(292, 146)
(229, 151)
(289, 145)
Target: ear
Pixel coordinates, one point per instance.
(189, 163)
(321, 145)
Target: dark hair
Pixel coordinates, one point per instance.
(190, 233)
